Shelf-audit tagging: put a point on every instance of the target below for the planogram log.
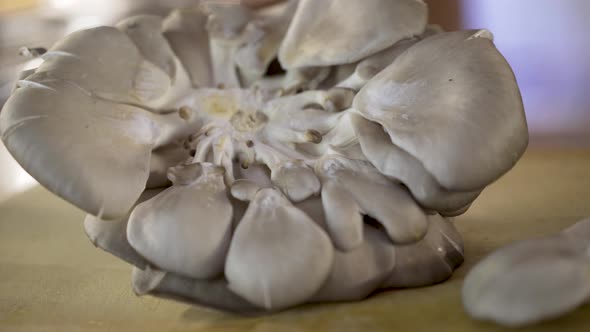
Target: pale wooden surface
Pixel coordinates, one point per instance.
(53, 279)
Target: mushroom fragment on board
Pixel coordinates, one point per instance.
(532, 280)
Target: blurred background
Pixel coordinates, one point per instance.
(545, 41)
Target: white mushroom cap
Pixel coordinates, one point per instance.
(111, 235)
(278, 256)
(579, 235)
(373, 64)
(452, 102)
(211, 293)
(296, 180)
(106, 63)
(185, 30)
(185, 229)
(399, 165)
(357, 273)
(93, 153)
(429, 261)
(331, 32)
(314, 209)
(527, 282)
(244, 41)
(77, 108)
(267, 30)
(370, 66)
(146, 32)
(344, 220)
(387, 202)
(244, 190)
(103, 61)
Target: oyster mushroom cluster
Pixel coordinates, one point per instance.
(258, 159)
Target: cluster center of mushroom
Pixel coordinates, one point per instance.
(254, 125)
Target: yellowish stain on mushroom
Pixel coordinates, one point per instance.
(220, 105)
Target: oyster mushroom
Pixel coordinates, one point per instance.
(579, 234)
(429, 261)
(344, 218)
(532, 280)
(146, 33)
(185, 31)
(372, 65)
(466, 134)
(332, 32)
(365, 69)
(296, 180)
(212, 293)
(111, 235)
(107, 107)
(186, 228)
(97, 158)
(369, 192)
(254, 58)
(300, 152)
(244, 41)
(357, 273)
(107, 64)
(278, 256)
(398, 165)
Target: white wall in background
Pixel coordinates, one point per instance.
(547, 42)
(13, 179)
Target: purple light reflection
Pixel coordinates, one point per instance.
(547, 43)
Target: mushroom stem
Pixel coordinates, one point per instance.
(203, 148)
(312, 136)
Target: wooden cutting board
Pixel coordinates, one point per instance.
(53, 279)
(8, 6)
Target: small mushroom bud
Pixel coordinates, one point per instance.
(244, 190)
(312, 136)
(185, 113)
(296, 180)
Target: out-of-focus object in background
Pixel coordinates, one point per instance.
(531, 280)
(7, 6)
(547, 44)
